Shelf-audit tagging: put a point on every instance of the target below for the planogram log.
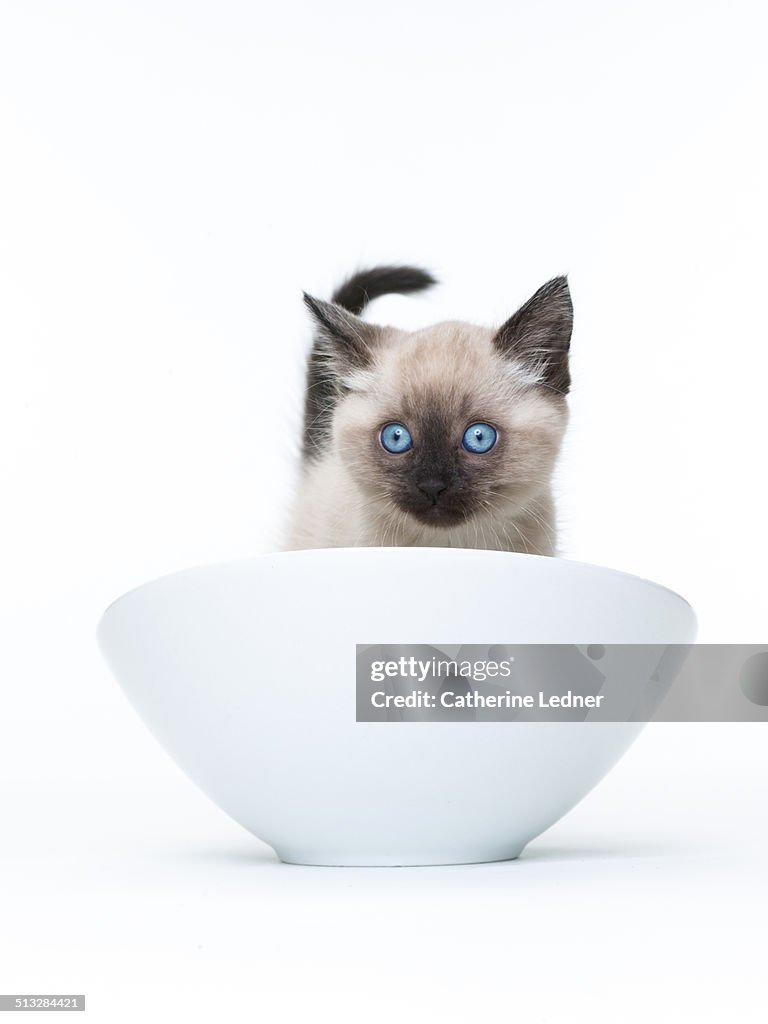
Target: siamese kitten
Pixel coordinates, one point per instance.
(441, 437)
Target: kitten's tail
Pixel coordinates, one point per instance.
(364, 286)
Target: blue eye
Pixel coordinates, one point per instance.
(395, 438)
(479, 438)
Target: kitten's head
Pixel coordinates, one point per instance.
(453, 421)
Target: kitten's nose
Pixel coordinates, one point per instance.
(432, 488)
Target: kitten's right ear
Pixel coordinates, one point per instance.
(348, 338)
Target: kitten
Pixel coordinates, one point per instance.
(441, 437)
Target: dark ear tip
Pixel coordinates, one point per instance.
(315, 306)
(559, 290)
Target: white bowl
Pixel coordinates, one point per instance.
(245, 672)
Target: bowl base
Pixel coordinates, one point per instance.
(326, 859)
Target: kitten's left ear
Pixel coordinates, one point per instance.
(349, 339)
(539, 334)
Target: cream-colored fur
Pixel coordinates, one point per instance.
(332, 511)
(346, 498)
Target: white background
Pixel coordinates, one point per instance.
(172, 175)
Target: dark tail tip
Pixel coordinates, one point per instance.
(364, 286)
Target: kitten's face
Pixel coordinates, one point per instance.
(452, 422)
(433, 386)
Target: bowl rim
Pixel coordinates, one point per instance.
(399, 552)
